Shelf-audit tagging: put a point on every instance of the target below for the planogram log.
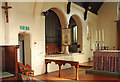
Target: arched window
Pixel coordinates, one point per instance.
(74, 34)
(73, 26)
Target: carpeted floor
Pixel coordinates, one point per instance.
(6, 74)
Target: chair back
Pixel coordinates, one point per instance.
(22, 67)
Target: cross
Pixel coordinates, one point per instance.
(6, 7)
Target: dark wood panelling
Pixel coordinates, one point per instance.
(3, 58)
(9, 58)
(52, 48)
(95, 6)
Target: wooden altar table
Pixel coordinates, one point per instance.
(63, 62)
(107, 60)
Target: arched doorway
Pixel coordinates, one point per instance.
(25, 50)
(53, 33)
(76, 34)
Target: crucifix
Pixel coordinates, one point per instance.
(6, 7)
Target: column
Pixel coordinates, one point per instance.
(0, 39)
(65, 48)
(1, 23)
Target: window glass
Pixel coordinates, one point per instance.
(75, 34)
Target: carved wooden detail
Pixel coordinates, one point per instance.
(63, 62)
(107, 61)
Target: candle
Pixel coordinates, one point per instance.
(96, 36)
(102, 35)
(99, 36)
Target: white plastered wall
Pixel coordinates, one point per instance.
(3, 23)
(106, 17)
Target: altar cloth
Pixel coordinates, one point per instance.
(107, 60)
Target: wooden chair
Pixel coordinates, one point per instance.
(25, 69)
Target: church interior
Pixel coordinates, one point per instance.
(60, 40)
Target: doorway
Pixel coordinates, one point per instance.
(24, 50)
(22, 57)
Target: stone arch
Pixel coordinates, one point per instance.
(61, 16)
(79, 31)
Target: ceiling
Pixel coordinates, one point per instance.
(91, 6)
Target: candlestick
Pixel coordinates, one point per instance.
(96, 45)
(102, 35)
(99, 36)
(102, 45)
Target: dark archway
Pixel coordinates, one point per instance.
(52, 33)
(76, 34)
(73, 26)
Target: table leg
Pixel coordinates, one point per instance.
(77, 71)
(46, 68)
(59, 70)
